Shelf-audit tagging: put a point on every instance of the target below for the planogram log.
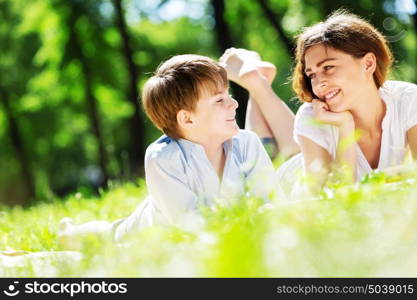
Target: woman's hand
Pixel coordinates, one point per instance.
(346, 150)
(323, 114)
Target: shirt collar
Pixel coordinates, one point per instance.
(191, 147)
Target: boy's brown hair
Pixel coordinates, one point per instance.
(345, 32)
(178, 84)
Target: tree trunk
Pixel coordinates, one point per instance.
(273, 19)
(224, 41)
(17, 142)
(91, 101)
(137, 129)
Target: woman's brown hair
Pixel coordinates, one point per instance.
(345, 32)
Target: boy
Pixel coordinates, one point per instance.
(203, 155)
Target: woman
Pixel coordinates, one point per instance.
(351, 117)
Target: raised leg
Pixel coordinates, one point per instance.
(267, 114)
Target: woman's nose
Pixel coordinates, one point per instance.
(320, 83)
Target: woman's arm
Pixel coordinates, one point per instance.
(346, 150)
(412, 140)
(317, 160)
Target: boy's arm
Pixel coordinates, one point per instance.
(167, 184)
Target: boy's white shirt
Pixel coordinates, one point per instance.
(180, 179)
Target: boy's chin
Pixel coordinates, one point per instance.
(234, 132)
(227, 133)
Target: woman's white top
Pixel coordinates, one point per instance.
(401, 114)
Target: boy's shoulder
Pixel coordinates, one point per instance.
(244, 136)
(169, 149)
(164, 148)
(245, 140)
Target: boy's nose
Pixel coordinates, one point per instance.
(234, 103)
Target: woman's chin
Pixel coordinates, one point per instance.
(337, 108)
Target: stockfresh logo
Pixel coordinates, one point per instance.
(11, 289)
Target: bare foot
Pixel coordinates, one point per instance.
(14, 252)
(72, 236)
(65, 224)
(65, 232)
(239, 63)
(246, 68)
(267, 69)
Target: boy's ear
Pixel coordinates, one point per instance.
(369, 60)
(184, 118)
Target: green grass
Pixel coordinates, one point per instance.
(361, 230)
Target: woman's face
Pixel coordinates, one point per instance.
(338, 78)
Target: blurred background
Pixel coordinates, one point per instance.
(72, 71)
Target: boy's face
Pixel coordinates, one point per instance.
(214, 116)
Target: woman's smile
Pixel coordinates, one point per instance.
(331, 94)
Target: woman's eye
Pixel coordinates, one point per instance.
(219, 101)
(326, 68)
(311, 76)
